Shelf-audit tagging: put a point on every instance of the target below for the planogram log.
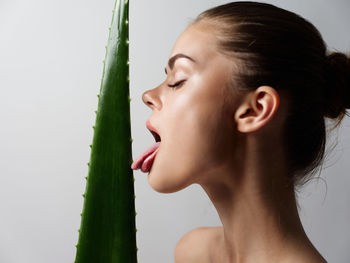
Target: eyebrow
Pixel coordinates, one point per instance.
(172, 60)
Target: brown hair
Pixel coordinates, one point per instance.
(275, 47)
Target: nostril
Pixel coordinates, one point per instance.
(151, 99)
(147, 99)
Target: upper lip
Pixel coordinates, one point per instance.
(153, 130)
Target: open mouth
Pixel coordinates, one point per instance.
(145, 160)
(156, 136)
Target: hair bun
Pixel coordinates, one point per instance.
(337, 91)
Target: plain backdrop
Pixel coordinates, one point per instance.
(51, 55)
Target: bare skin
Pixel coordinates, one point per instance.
(231, 147)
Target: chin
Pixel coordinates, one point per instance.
(165, 183)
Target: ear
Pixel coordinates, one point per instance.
(257, 109)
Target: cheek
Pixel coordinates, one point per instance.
(202, 125)
(194, 119)
(211, 128)
(190, 151)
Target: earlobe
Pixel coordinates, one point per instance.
(257, 109)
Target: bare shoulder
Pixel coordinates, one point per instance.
(194, 246)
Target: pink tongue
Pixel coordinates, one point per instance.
(139, 161)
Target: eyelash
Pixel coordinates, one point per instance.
(176, 84)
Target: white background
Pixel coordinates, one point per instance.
(51, 55)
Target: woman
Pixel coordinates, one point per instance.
(242, 113)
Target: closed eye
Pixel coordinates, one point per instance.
(176, 84)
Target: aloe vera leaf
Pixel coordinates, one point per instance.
(108, 231)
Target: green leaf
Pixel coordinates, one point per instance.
(107, 232)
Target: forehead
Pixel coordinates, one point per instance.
(196, 42)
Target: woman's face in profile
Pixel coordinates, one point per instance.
(193, 120)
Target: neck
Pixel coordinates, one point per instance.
(256, 204)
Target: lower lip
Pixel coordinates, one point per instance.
(148, 162)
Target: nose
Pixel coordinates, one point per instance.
(151, 99)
